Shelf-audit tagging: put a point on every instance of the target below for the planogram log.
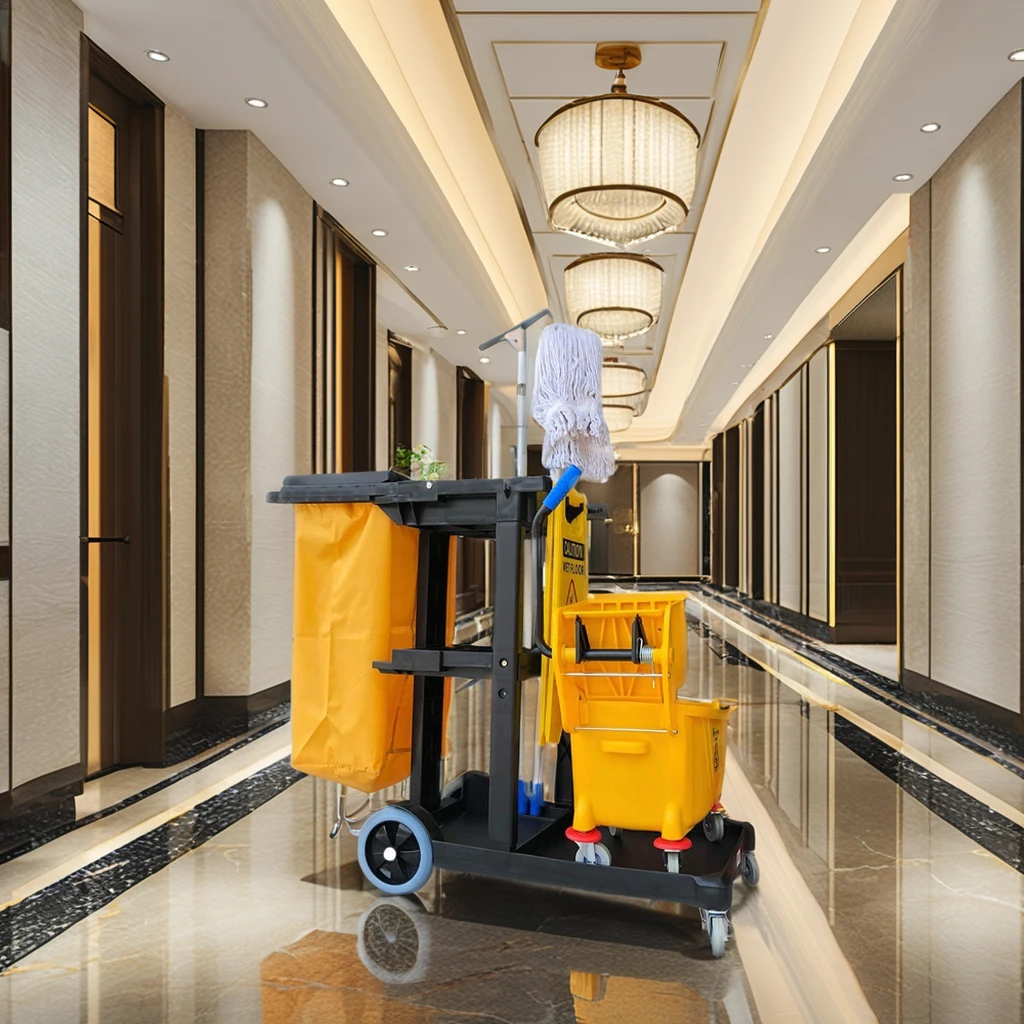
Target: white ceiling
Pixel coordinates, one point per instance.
(936, 60)
(530, 62)
(326, 118)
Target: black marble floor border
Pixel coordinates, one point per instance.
(957, 725)
(975, 819)
(44, 915)
(47, 835)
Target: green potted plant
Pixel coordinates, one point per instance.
(419, 463)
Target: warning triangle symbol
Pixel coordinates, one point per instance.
(570, 597)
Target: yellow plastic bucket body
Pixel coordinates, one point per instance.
(642, 757)
(567, 575)
(655, 781)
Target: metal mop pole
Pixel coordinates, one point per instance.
(522, 369)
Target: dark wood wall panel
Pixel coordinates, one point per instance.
(757, 509)
(865, 427)
(731, 508)
(717, 486)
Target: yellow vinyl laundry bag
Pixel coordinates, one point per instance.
(355, 602)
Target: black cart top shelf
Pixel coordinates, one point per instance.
(462, 507)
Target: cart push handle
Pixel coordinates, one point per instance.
(639, 653)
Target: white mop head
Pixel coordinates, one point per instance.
(567, 402)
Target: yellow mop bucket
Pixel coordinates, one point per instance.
(643, 758)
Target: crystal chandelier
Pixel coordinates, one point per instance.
(623, 384)
(614, 294)
(617, 168)
(618, 417)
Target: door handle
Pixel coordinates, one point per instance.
(106, 540)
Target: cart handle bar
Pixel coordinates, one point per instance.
(566, 482)
(521, 326)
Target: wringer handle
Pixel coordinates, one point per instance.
(566, 482)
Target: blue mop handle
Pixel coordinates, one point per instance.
(566, 482)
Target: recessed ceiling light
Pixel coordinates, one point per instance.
(931, 126)
(768, 337)
(162, 58)
(340, 182)
(822, 249)
(1017, 56)
(411, 267)
(460, 332)
(484, 359)
(255, 101)
(378, 232)
(735, 383)
(902, 177)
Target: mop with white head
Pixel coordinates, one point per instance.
(567, 402)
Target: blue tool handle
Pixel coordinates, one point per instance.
(566, 482)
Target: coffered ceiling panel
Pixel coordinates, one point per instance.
(528, 62)
(567, 70)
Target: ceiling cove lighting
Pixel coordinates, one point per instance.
(624, 384)
(903, 177)
(161, 57)
(340, 182)
(617, 168)
(378, 233)
(255, 101)
(1016, 56)
(931, 126)
(618, 417)
(614, 294)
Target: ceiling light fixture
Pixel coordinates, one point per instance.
(618, 417)
(340, 182)
(255, 101)
(931, 126)
(902, 177)
(485, 359)
(617, 168)
(768, 337)
(822, 249)
(158, 56)
(378, 233)
(411, 267)
(1017, 56)
(614, 294)
(624, 384)
(460, 332)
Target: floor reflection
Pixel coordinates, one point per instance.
(407, 964)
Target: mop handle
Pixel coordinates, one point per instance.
(566, 482)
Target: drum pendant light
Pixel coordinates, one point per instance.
(624, 384)
(614, 294)
(618, 417)
(618, 168)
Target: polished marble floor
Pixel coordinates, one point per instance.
(891, 890)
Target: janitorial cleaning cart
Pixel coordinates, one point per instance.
(642, 816)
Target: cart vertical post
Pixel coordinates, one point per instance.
(428, 691)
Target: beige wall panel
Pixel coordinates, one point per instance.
(434, 406)
(280, 215)
(45, 228)
(228, 491)
(382, 411)
(669, 519)
(180, 370)
(976, 420)
(790, 511)
(5, 687)
(817, 487)
(916, 345)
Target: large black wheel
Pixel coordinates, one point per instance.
(395, 851)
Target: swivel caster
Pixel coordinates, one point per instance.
(589, 850)
(672, 850)
(749, 870)
(714, 824)
(716, 924)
